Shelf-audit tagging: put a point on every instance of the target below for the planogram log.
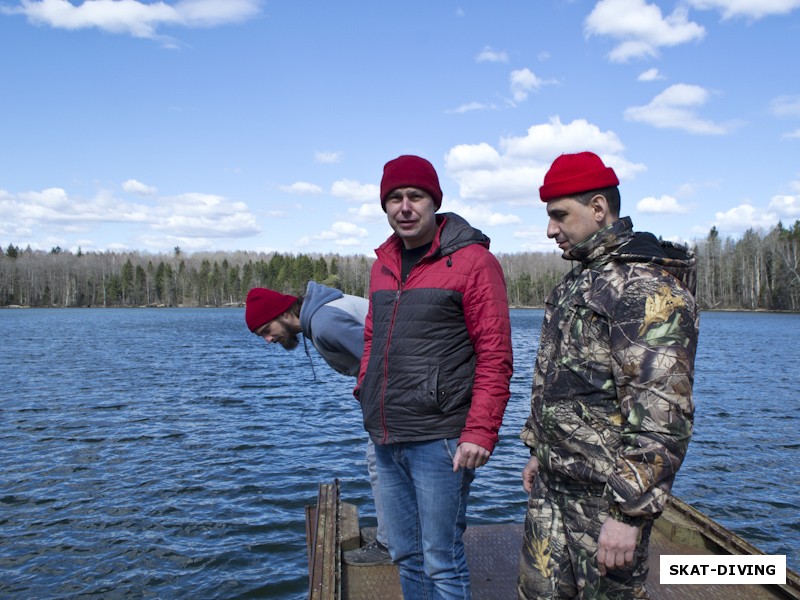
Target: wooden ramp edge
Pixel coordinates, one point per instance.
(683, 524)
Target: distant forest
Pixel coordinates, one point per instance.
(759, 271)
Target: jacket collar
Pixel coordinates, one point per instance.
(602, 242)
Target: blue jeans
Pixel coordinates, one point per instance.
(425, 505)
(372, 469)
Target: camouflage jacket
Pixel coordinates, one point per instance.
(611, 405)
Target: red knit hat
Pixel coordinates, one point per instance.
(572, 174)
(263, 305)
(410, 171)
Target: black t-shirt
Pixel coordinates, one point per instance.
(410, 257)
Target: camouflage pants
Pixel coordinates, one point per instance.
(559, 552)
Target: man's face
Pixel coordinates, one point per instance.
(278, 331)
(412, 215)
(571, 222)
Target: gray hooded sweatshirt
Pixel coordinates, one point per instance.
(334, 322)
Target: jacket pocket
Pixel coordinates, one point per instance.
(431, 400)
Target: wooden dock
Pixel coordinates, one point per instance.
(493, 552)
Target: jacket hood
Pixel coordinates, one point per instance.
(316, 296)
(619, 242)
(455, 233)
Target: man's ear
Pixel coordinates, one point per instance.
(601, 212)
(293, 321)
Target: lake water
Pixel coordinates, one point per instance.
(168, 453)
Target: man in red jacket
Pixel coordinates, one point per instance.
(434, 378)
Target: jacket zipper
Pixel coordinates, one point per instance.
(386, 365)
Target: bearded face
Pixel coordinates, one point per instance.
(278, 331)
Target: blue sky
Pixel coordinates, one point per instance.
(265, 125)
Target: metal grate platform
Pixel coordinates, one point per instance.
(493, 555)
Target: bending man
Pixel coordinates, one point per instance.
(334, 322)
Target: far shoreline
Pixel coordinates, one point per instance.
(241, 305)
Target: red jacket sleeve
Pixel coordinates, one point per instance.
(489, 325)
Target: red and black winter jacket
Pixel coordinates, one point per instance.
(437, 354)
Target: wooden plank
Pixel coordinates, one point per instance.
(684, 524)
(311, 523)
(349, 530)
(324, 564)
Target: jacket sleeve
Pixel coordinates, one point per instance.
(653, 341)
(488, 323)
(367, 344)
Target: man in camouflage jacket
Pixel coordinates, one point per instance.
(611, 405)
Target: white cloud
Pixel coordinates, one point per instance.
(341, 233)
(204, 215)
(548, 140)
(137, 187)
(489, 55)
(369, 212)
(353, 191)
(328, 157)
(514, 172)
(346, 228)
(521, 82)
(302, 188)
(791, 135)
(55, 207)
(650, 75)
(511, 183)
(640, 28)
(534, 239)
(753, 9)
(665, 205)
(744, 217)
(471, 106)
(785, 106)
(675, 108)
(524, 81)
(189, 216)
(133, 17)
(786, 206)
(472, 157)
(479, 215)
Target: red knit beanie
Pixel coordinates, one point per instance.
(410, 171)
(263, 305)
(572, 174)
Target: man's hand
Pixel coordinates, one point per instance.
(470, 456)
(616, 545)
(529, 473)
